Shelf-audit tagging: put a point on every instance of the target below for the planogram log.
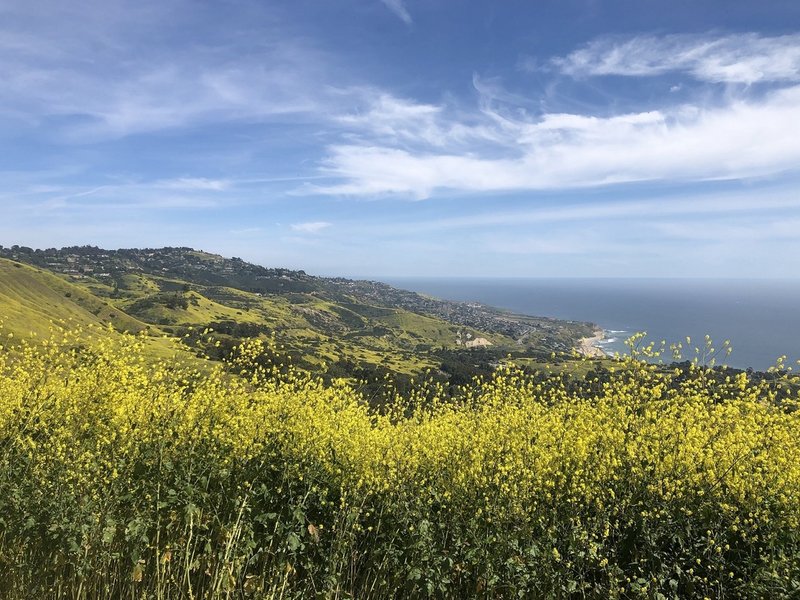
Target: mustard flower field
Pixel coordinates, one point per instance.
(122, 477)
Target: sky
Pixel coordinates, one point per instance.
(555, 138)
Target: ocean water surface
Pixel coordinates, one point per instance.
(761, 318)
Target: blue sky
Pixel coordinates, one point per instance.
(410, 137)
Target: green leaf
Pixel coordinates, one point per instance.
(109, 532)
(294, 541)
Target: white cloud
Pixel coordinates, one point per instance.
(31, 197)
(151, 98)
(105, 71)
(310, 227)
(402, 121)
(738, 58)
(399, 9)
(740, 139)
(88, 76)
(194, 183)
(742, 230)
(387, 115)
(706, 207)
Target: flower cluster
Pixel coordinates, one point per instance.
(127, 475)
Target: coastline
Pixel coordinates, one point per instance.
(588, 345)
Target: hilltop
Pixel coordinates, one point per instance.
(335, 326)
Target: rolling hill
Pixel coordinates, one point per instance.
(331, 325)
(32, 299)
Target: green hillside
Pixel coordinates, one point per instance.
(32, 299)
(34, 302)
(339, 327)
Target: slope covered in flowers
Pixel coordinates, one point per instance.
(128, 479)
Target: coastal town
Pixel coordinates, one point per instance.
(175, 266)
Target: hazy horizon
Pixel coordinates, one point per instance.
(472, 277)
(758, 317)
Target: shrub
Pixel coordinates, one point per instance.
(129, 477)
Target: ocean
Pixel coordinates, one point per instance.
(761, 318)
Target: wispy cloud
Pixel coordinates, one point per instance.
(399, 119)
(165, 194)
(102, 71)
(406, 122)
(738, 58)
(310, 227)
(152, 98)
(399, 9)
(738, 139)
(397, 146)
(747, 205)
(194, 183)
(741, 230)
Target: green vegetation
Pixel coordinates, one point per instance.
(32, 301)
(346, 442)
(123, 477)
(333, 327)
(31, 298)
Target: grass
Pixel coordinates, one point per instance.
(35, 303)
(30, 299)
(318, 332)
